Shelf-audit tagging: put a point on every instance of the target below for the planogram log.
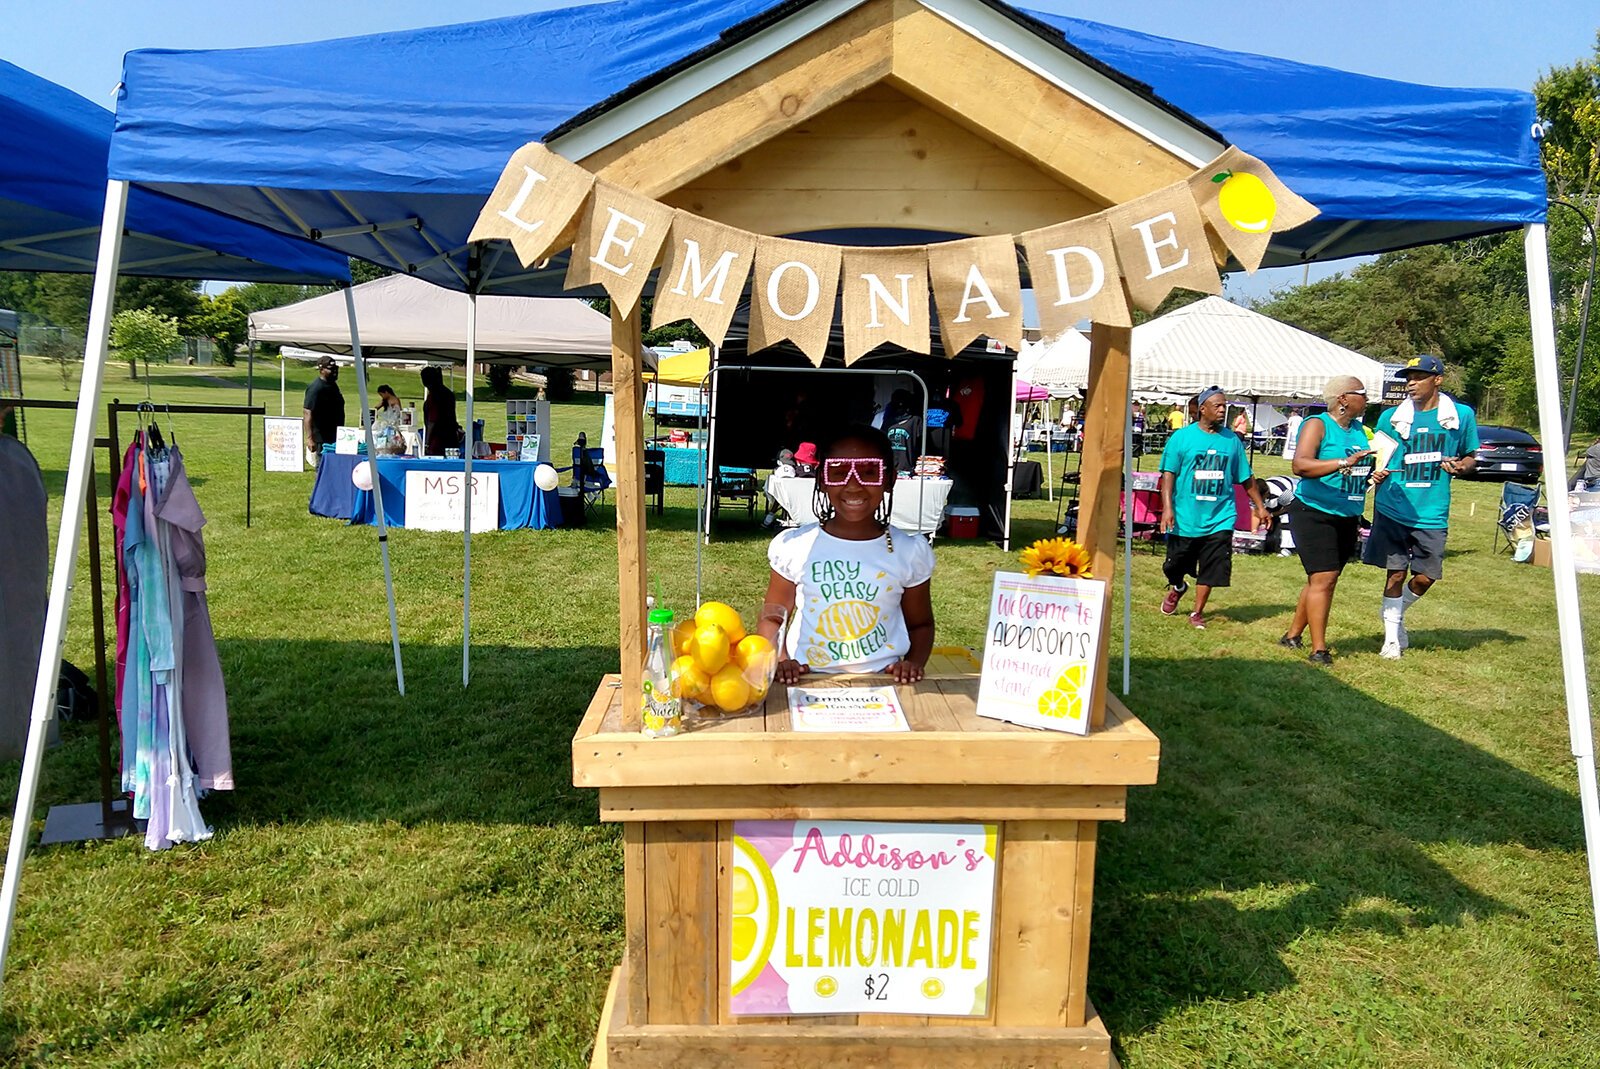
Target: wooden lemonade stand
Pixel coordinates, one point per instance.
(954, 118)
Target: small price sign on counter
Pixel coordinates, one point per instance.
(1042, 649)
(832, 917)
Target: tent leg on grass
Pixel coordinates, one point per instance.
(466, 486)
(66, 562)
(1569, 617)
(1127, 549)
(377, 485)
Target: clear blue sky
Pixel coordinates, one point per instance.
(1503, 43)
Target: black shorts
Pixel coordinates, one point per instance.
(1398, 548)
(1324, 541)
(1209, 558)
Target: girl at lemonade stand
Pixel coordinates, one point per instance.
(859, 589)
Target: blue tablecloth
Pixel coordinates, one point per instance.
(682, 466)
(522, 504)
(333, 494)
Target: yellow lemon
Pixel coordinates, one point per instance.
(683, 636)
(745, 931)
(752, 649)
(1247, 204)
(711, 647)
(1056, 705)
(745, 897)
(827, 987)
(729, 690)
(846, 621)
(724, 616)
(1071, 680)
(688, 679)
(932, 987)
(817, 656)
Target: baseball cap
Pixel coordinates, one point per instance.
(1425, 363)
(325, 361)
(1207, 394)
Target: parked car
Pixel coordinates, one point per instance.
(1508, 453)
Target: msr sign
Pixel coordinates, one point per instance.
(435, 500)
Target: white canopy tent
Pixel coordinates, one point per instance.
(406, 317)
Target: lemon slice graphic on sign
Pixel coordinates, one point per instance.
(827, 987)
(1059, 705)
(752, 913)
(1071, 680)
(932, 987)
(1245, 202)
(846, 621)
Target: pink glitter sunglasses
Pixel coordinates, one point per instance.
(836, 471)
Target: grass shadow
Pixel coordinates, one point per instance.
(1299, 805)
(1442, 638)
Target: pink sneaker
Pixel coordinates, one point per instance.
(1169, 604)
(1197, 621)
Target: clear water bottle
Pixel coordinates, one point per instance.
(661, 711)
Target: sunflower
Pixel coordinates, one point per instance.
(1057, 556)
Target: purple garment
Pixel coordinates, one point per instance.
(119, 522)
(204, 697)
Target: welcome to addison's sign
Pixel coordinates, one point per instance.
(1167, 239)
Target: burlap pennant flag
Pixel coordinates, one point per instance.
(1073, 267)
(534, 203)
(977, 289)
(793, 294)
(619, 237)
(1246, 204)
(885, 300)
(1161, 245)
(703, 274)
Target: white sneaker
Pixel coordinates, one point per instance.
(1391, 651)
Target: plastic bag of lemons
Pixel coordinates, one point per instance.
(719, 667)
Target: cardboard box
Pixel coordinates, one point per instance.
(1541, 552)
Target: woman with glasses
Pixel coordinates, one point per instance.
(859, 590)
(1334, 465)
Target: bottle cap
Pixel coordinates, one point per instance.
(661, 616)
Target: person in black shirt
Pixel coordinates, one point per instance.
(323, 409)
(439, 414)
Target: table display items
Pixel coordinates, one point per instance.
(661, 713)
(528, 423)
(721, 670)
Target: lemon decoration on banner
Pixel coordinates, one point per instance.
(827, 987)
(1245, 202)
(753, 912)
(932, 987)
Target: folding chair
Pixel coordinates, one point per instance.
(734, 485)
(589, 473)
(1146, 515)
(1519, 507)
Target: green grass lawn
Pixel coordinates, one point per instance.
(1379, 864)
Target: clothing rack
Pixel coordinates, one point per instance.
(111, 817)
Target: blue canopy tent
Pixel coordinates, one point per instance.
(386, 146)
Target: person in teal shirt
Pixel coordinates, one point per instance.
(1435, 438)
(1200, 466)
(1332, 460)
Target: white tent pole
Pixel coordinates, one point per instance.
(1569, 618)
(1049, 455)
(466, 488)
(1011, 460)
(377, 484)
(1127, 546)
(79, 470)
(283, 380)
(710, 453)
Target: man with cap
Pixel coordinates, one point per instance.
(1200, 466)
(323, 410)
(1436, 436)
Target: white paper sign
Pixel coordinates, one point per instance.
(1042, 650)
(845, 709)
(282, 445)
(860, 917)
(349, 440)
(434, 500)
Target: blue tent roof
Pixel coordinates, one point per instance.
(411, 129)
(53, 150)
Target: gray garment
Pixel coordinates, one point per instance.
(202, 695)
(24, 590)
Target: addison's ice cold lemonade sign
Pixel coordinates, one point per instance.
(860, 917)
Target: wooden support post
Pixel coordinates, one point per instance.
(1100, 487)
(632, 574)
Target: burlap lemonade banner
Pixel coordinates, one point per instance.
(619, 240)
(885, 300)
(977, 289)
(1174, 237)
(1074, 270)
(795, 293)
(703, 274)
(1245, 204)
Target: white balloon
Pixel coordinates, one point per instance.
(361, 475)
(545, 477)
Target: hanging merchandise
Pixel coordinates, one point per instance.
(171, 699)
